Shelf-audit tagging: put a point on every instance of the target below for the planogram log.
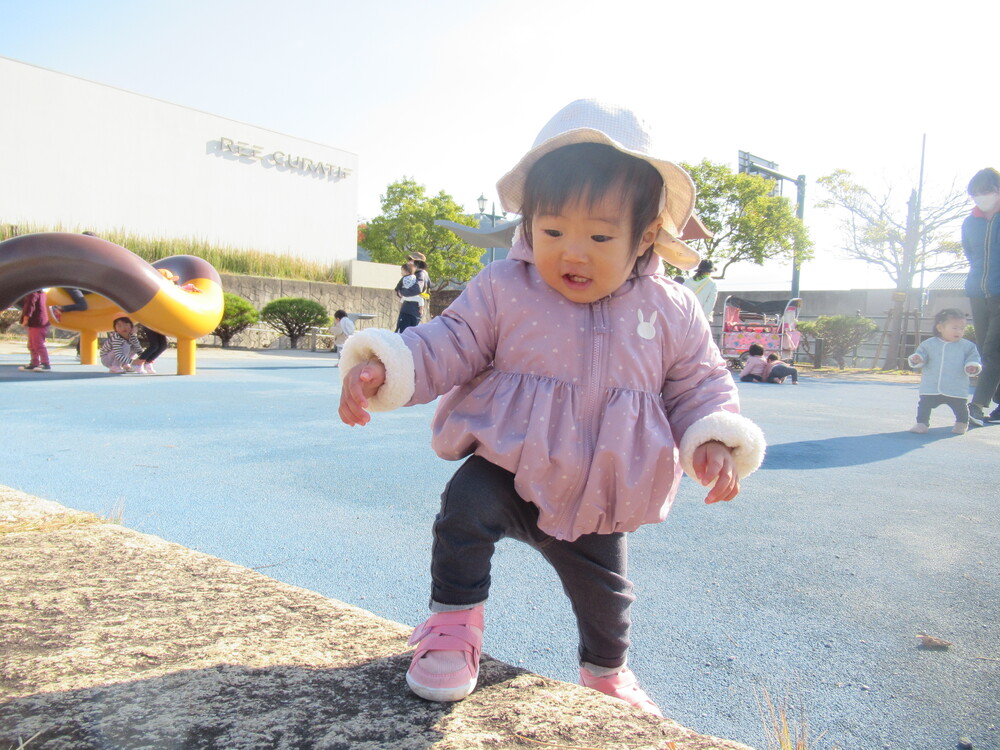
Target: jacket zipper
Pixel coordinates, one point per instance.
(986, 254)
(941, 366)
(598, 329)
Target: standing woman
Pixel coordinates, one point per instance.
(419, 261)
(704, 287)
(981, 243)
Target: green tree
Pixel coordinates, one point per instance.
(406, 225)
(841, 334)
(294, 316)
(899, 242)
(749, 224)
(238, 315)
(877, 230)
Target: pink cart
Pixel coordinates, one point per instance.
(770, 324)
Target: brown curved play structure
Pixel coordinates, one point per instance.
(117, 282)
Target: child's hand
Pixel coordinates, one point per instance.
(358, 385)
(714, 461)
(971, 369)
(916, 359)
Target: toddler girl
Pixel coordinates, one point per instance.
(946, 361)
(581, 380)
(35, 318)
(755, 366)
(120, 347)
(776, 371)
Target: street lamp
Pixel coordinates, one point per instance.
(481, 200)
(751, 164)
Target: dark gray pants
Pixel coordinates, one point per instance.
(782, 371)
(958, 405)
(986, 319)
(480, 507)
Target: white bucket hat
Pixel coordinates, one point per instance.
(593, 121)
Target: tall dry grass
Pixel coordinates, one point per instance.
(224, 259)
(786, 726)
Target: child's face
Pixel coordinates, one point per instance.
(584, 253)
(123, 328)
(952, 329)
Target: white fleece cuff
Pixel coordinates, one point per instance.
(912, 364)
(395, 356)
(739, 433)
(978, 367)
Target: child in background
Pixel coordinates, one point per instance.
(156, 345)
(946, 361)
(342, 330)
(35, 318)
(156, 341)
(120, 347)
(582, 381)
(753, 369)
(776, 371)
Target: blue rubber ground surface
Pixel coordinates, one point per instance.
(853, 538)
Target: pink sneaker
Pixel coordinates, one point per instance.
(460, 631)
(621, 685)
(116, 368)
(147, 368)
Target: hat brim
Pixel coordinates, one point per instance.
(696, 230)
(680, 187)
(675, 251)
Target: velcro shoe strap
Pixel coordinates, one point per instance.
(448, 641)
(463, 617)
(457, 638)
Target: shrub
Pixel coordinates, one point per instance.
(841, 334)
(294, 316)
(237, 316)
(970, 333)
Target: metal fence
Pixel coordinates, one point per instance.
(873, 351)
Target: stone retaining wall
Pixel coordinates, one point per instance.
(382, 303)
(116, 639)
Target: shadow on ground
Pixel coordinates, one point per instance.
(854, 450)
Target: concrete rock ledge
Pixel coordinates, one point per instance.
(113, 639)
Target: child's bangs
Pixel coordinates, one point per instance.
(587, 172)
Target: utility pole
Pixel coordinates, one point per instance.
(902, 299)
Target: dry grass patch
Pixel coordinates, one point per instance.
(48, 523)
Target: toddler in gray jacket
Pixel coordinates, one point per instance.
(946, 361)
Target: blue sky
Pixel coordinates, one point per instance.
(452, 93)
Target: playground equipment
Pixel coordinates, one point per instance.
(118, 282)
(770, 324)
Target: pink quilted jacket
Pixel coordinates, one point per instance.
(595, 408)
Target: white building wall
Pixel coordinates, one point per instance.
(90, 156)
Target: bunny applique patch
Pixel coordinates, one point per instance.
(646, 330)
